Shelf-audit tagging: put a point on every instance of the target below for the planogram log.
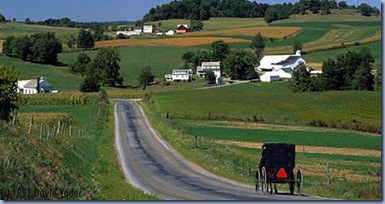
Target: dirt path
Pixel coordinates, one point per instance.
(312, 149)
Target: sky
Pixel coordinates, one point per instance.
(100, 10)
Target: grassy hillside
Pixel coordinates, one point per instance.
(79, 159)
(19, 29)
(275, 103)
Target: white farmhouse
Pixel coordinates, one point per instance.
(181, 75)
(206, 66)
(277, 62)
(148, 29)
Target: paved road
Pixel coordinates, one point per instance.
(151, 164)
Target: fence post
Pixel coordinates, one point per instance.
(58, 127)
(328, 173)
(70, 131)
(30, 124)
(41, 130)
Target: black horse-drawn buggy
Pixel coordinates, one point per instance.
(277, 166)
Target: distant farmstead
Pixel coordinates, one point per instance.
(35, 86)
(183, 28)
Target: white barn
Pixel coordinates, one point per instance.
(269, 77)
(277, 62)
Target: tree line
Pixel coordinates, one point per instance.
(39, 48)
(348, 71)
(205, 9)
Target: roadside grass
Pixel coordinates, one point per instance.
(81, 157)
(346, 173)
(275, 103)
(19, 29)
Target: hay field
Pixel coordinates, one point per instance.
(177, 42)
(267, 32)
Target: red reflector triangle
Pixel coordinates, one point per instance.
(282, 174)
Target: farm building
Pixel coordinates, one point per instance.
(181, 75)
(277, 62)
(269, 77)
(284, 73)
(170, 33)
(168, 77)
(128, 33)
(148, 29)
(183, 28)
(213, 66)
(34, 86)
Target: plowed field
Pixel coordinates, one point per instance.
(178, 42)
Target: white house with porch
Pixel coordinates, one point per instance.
(206, 66)
(181, 75)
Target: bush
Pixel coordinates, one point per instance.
(90, 84)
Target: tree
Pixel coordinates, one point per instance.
(2, 19)
(220, 50)
(98, 33)
(107, 66)
(8, 92)
(210, 77)
(146, 77)
(196, 25)
(188, 57)
(342, 5)
(365, 9)
(85, 40)
(71, 41)
(90, 84)
(81, 64)
(258, 43)
(332, 75)
(239, 65)
(301, 81)
(297, 46)
(45, 48)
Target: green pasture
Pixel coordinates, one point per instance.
(273, 103)
(20, 29)
(375, 48)
(308, 138)
(60, 77)
(161, 59)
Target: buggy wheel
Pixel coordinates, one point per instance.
(257, 180)
(299, 181)
(264, 180)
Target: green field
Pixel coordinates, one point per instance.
(309, 138)
(19, 29)
(273, 103)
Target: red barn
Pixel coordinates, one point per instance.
(183, 28)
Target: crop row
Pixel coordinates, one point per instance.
(54, 99)
(45, 119)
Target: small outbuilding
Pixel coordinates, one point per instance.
(269, 77)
